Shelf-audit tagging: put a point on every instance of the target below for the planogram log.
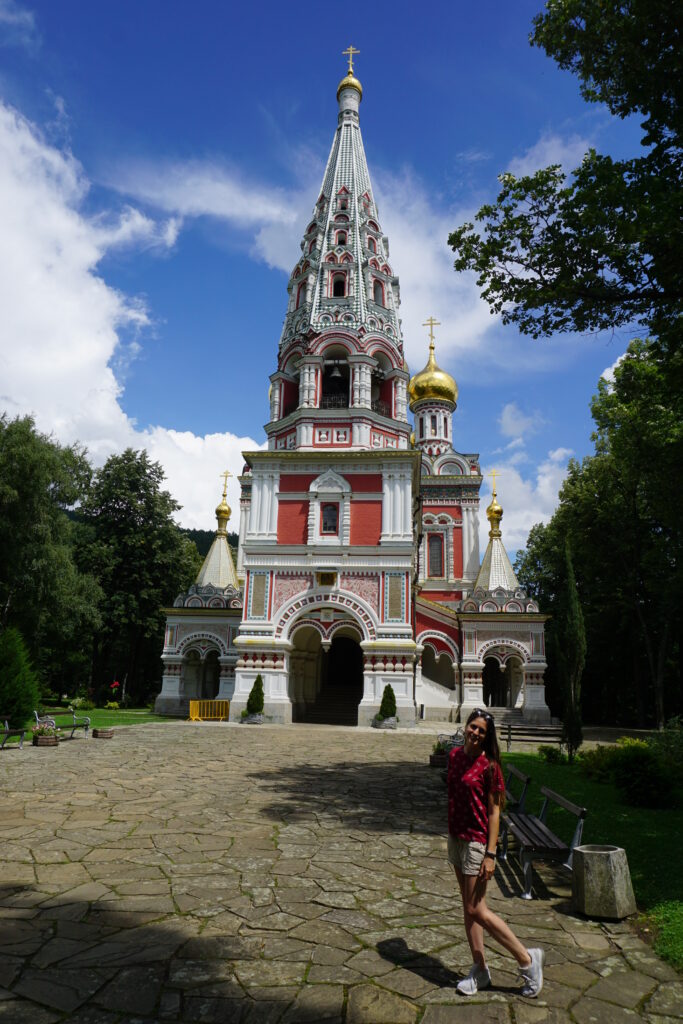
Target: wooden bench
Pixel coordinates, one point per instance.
(531, 734)
(7, 732)
(512, 802)
(56, 720)
(534, 839)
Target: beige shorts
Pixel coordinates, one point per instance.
(466, 857)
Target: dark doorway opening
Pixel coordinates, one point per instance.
(341, 684)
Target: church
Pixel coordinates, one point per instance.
(358, 562)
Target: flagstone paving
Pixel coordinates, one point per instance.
(249, 875)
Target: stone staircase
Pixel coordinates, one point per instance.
(332, 707)
(511, 725)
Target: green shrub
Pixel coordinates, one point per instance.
(112, 705)
(598, 764)
(641, 776)
(668, 745)
(255, 699)
(387, 708)
(440, 747)
(18, 682)
(552, 755)
(82, 704)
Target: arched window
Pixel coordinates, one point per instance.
(445, 426)
(378, 293)
(422, 426)
(433, 418)
(343, 204)
(372, 244)
(301, 294)
(339, 286)
(329, 516)
(341, 238)
(311, 245)
(435, 554)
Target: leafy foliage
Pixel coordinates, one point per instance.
(551, 755)
(18, 681)
(255, 700)
(619, 511)
(387, 708)
(601, 247)
(131, 543)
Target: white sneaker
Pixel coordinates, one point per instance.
(533, 974)
(478, 978)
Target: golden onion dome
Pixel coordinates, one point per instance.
(494, 514)
(432, 382)
(223, 513)
(349, 81)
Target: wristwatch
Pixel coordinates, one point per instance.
(490, 853)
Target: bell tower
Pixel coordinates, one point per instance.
(341, 379)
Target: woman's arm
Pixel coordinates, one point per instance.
(489, 863)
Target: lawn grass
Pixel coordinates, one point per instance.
(100, 718)
(649, 836)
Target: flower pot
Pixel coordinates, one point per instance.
(438, 760)
(45, 741)
(385, 723)
(103, 734)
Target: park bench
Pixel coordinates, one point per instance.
(512, 802)
(531, 734)
(55, 720)
(534, 839)
(7, 732)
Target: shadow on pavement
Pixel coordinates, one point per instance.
(397, 951)
(394, 796)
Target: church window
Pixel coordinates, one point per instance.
(372, 225)
(445, 426)
(341, 238)
(372, 244)
(339, 286)
(329, 514)
(311, 245)
(422, 426)
(435, 550)
(433, 426)
(378, 293)
(343, 204)
(301, 294)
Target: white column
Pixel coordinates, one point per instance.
(387, 506)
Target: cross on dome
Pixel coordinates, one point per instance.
(224, 477)
(350, 52)
(431, 323)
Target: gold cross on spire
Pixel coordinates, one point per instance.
(494, 473)
(224, 477)
(431, 323)
(350, 53)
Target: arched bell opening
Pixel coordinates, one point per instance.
(336, 378)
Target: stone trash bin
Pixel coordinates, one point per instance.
(601, 882)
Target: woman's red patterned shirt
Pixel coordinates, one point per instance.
(469, 783)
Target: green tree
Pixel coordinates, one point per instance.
(570, 656)
(255, 701)
(141, 559)
(18, 681)
(601, 247)
(42, 592)
(387, 708)
(619, 511)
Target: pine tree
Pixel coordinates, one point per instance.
(388, 706)
(255, 699)
(18, 681)
(572, 657)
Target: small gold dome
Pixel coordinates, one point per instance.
(494, 514)
(223, 513)
(432, 382)
(349, 81)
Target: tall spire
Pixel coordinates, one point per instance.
(496, 569)
(218, 569)
(344, 275)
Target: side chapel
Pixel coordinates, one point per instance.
(358, 562)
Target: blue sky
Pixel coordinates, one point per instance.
(158, 162)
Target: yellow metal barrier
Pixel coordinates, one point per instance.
(209, 710)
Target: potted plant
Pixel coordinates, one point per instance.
(253, 713)
(45, 735)
(386, 717)
(439, 756)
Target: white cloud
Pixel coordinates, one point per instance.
(516, 424)
(550, 149)
(65, 334)
(17, 25)
(525, 500)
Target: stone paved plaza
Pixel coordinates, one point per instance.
(261, 874)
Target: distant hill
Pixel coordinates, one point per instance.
(204, 538)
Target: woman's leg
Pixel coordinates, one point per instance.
(474, 903)
(473, 930)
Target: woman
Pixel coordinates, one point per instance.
(476, 793)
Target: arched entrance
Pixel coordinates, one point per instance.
(326, 679)
(503, 684)
(200, 677)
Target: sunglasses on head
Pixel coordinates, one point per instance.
(481, 713)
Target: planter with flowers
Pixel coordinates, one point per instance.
(45, 736)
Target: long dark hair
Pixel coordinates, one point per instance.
(491, 748)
